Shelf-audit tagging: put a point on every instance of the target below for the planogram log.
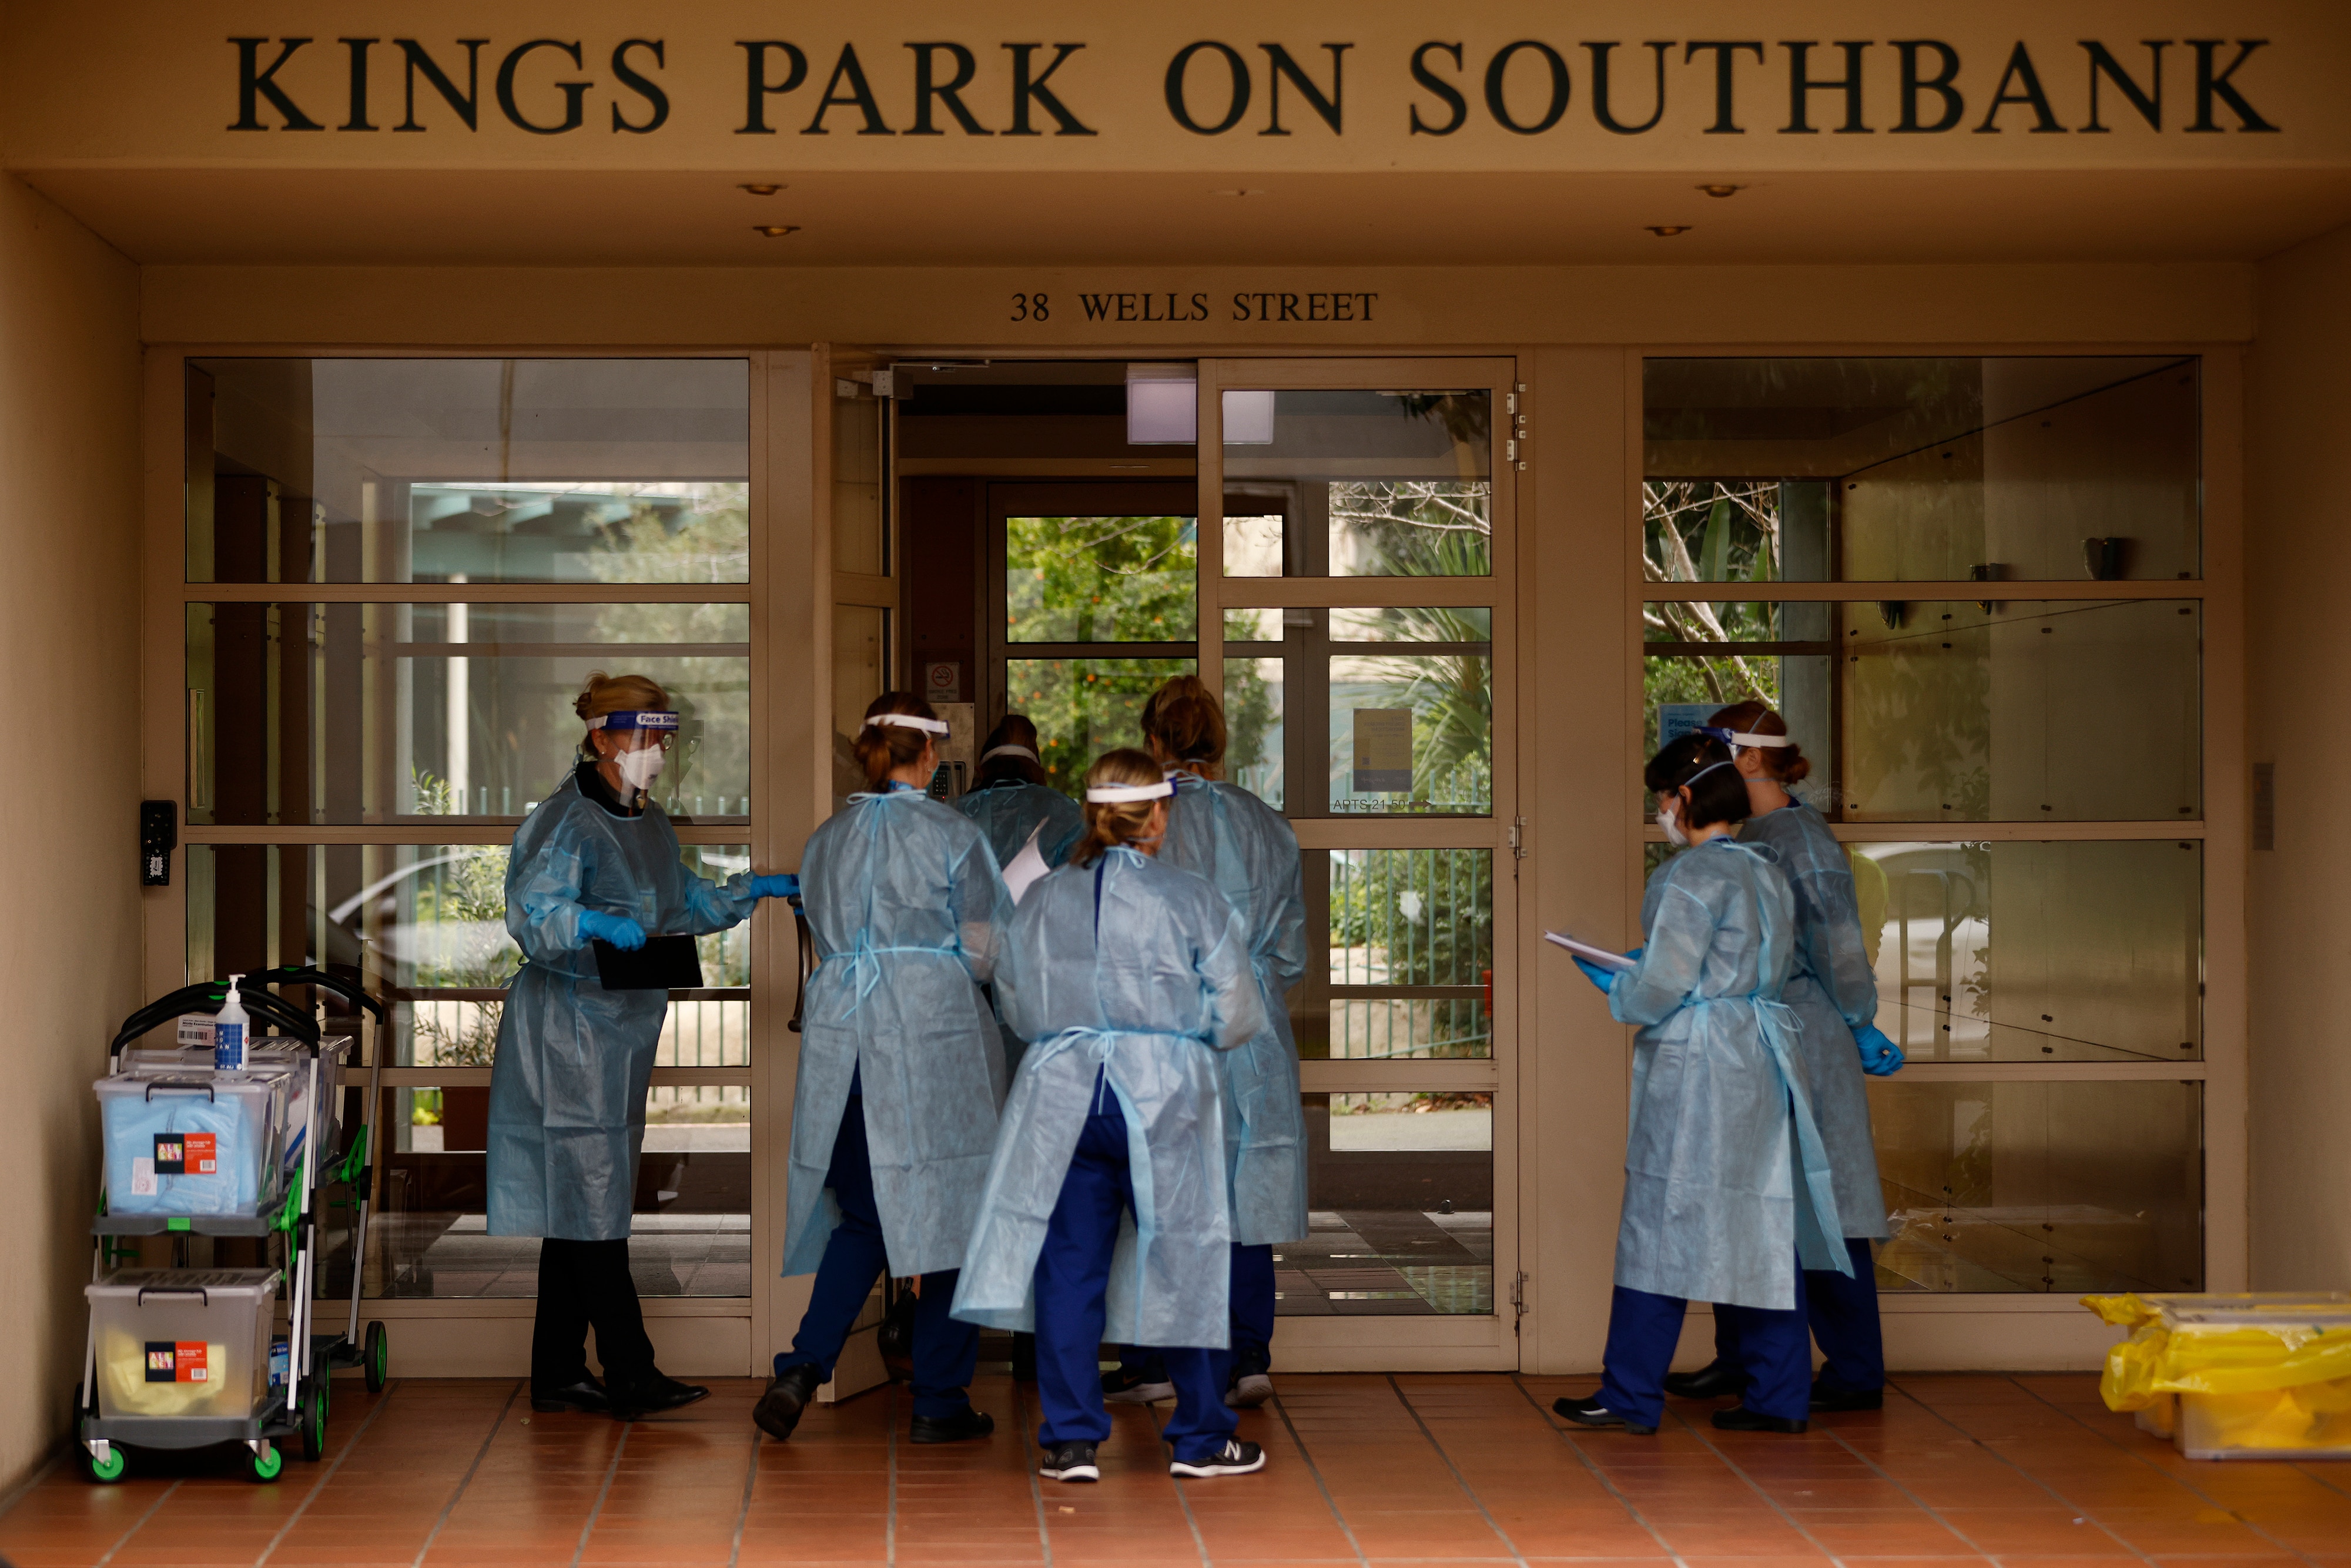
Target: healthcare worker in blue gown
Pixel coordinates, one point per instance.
(1105, 1209)
(1727, 1187)
(1011, 802)
(1247, 850)
(1834, 994)
(597, 859)
(901, 1072)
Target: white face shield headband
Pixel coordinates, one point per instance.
(908, 721)
(1740, 740)
(1120, 794)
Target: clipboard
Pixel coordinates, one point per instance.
(1600, 956)
(663, 964)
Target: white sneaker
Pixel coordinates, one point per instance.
(1235, 1458)
(1250, 1390)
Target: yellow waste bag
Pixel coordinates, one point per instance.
(2223, 1355)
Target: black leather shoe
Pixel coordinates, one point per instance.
(960, 1427)
(655, 1394)
(1848, 1399)
(1715, 1380)
(778, 1410)
(1590, 1412)
(585, 1395)
(1738, 1419)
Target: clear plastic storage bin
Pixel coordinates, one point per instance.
(192, 1144)
(272, 1054)
(182, 1342)
(2236, 1377)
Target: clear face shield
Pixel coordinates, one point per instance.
(637, 743)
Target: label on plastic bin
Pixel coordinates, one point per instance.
(196, 1033)
(281, 1362)
(183, 1153)
(142, 1178)
(178, 1361)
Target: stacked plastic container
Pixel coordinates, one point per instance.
(240, 1143)
(2235, 1376)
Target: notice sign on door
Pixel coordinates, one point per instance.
(942, 682)
(1382, 750)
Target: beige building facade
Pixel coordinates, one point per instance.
(1524, 382)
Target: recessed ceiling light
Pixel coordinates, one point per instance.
(761, 189)
(775, 231)
(1237, 192)
(1720, 190)
(1668, 231)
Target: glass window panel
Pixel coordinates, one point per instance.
(1958, 711)
(1252, 625)
(423, 926)
(2054, 1187)
(1412, 733)
(1421, 1028)
(1254, 738)
(1411, 917)
(690, 1232)
(2036, 951)
(352, 712)
(1401, 1208)
(1101, 580)
(1364, 484)
(1083, 708)
(468, 470)
(1956, 469)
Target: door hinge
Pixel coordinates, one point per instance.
(1518, 1300)
(884, 383)
(1518, 843)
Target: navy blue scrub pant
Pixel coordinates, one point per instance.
(1842, 1315)
(1643, 1329)
(945, 1351)
(1072, 1283)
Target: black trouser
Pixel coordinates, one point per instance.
(580, 1284)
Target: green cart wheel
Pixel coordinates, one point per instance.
(108, 1470)
(376, 1357)
(267, 1462)
(311, 1420)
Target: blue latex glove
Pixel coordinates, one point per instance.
(618, 929)
(1636, 953)
(1880, 1057)
(1603, 979)
(782, 884)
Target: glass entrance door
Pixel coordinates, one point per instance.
(1357, 540)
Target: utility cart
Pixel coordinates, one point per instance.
(186, 1358)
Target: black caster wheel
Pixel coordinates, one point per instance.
(375, 1357)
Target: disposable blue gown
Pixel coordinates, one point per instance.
(1140, 972)
(1009, 811)
(568, 1085)
(1833, 992)
(1248, 851)
(908, 913)
(1726, 1182)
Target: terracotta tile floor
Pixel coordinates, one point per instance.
(2026, 1472)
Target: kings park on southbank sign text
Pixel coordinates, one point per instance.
(1437, 89)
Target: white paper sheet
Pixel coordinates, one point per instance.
(1600, 956)
(1026, 867)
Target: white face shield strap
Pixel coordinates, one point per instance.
(1119, 794)
(1738, 741)
(908, 721)
(1009, 751)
